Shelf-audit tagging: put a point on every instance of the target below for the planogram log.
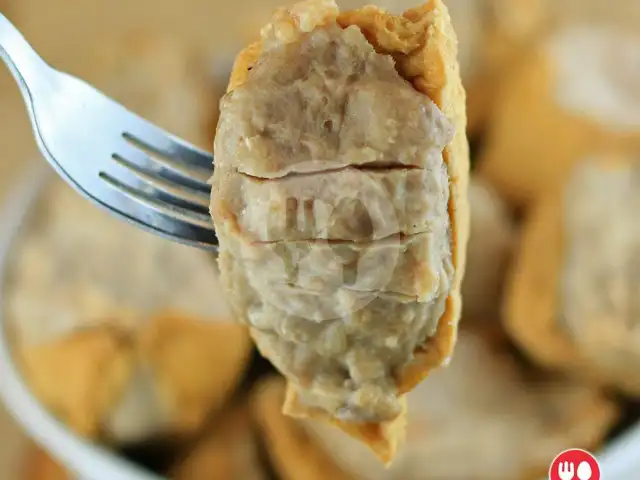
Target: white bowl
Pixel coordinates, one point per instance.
(619, 460)
(86, 460)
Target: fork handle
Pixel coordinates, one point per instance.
(22, 60)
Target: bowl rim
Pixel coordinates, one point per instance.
(87, 460)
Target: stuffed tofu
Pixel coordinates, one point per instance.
(339, 200)
(575, 308)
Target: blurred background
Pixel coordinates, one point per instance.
(128, 341)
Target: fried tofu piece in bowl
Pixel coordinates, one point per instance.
(570, 301)
(573, 94)
(506, 422)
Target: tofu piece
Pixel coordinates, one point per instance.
(326, 106)
(510, 428)
(571, 299)
(572, 96)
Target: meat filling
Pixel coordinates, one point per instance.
(347, 204)
(330, 199)
(326, 102)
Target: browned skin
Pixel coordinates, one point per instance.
(423, 43)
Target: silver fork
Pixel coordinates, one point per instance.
(115, 158)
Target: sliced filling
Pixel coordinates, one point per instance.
(331, 203)
(346, 204)
(396, 264)
(343, 348)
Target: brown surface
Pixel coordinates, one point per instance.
(229, 450)
(434, 71)
(193, 366)
(294, 455)
(531, 299)
(38, 465)
(80, 377)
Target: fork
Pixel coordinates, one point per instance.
(110, 155)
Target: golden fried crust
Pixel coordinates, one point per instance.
(532, 311)
(228, 452)
(532, 306)
(40, 466)
(80, 377)
(384, 438)
(424, 45)
(566, 414)
(292, 452)
(196, 363)
(533, 142)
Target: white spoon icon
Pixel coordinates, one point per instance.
(584, 471)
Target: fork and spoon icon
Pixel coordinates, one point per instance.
(567, 470)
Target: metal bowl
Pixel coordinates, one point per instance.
(620, 459)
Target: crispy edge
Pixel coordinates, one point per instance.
(431, 65)
(531, 301)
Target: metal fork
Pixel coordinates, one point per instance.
(112, 156)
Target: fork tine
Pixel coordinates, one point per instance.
(179, 194)
(151, 201)
(123, 175)
(178, 172)
(162, 143)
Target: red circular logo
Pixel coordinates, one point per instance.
(574, 464)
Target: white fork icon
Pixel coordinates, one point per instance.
(566, 470)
